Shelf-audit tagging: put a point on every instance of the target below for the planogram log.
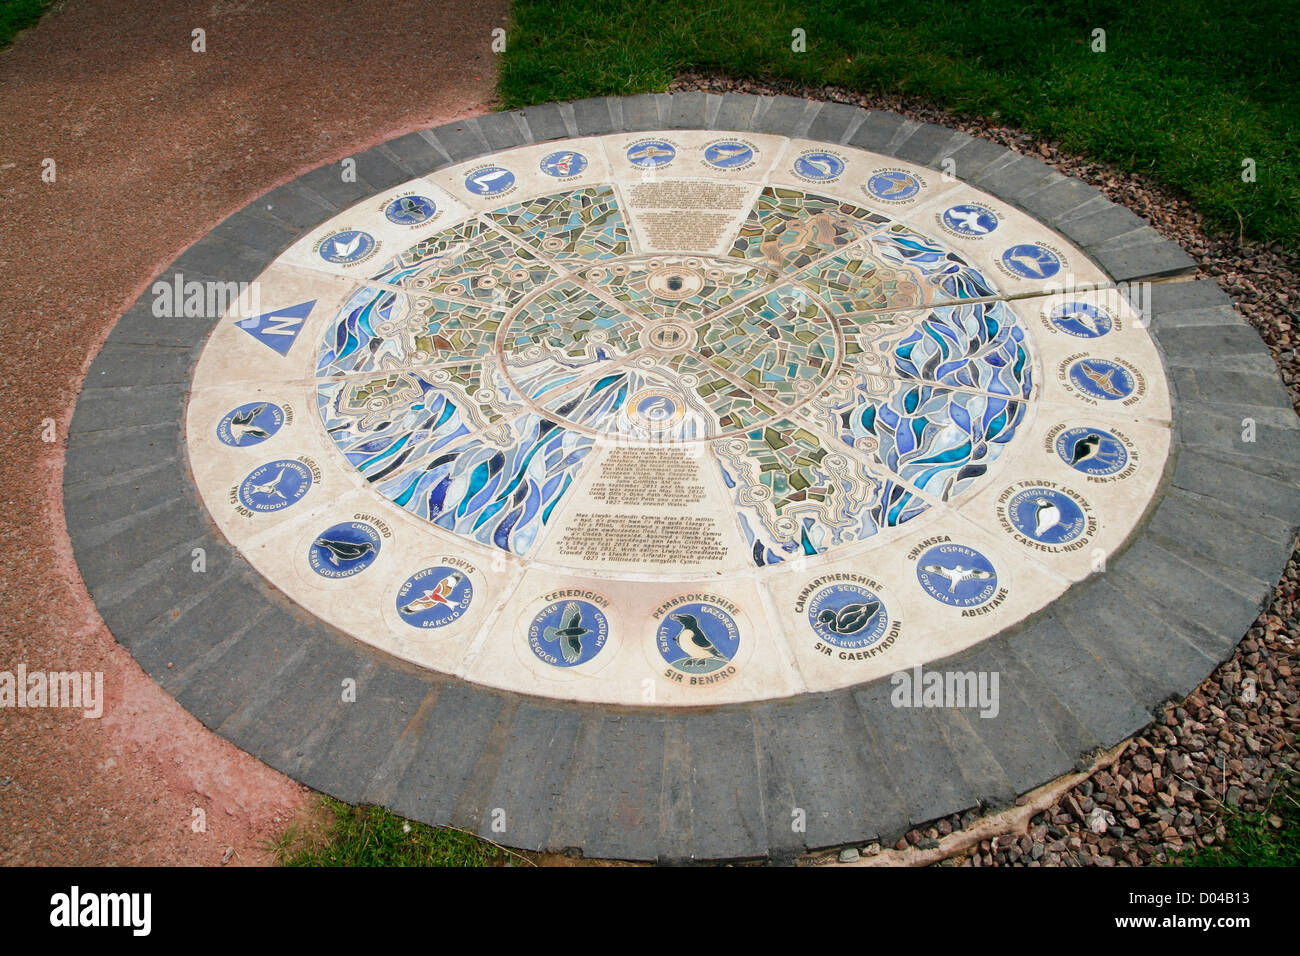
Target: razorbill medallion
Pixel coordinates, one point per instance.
(698, 639)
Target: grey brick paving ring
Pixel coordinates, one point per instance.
(645, 475)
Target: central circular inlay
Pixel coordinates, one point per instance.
(669, 337)
(780, 417)
(678, 280)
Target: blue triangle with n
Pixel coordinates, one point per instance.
(279, 329)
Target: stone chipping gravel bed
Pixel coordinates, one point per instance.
(1229, 745)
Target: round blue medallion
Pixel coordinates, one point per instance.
(1081, 320)
(956, 575)
(434, 597)
(848, 615)
(345, 549)
(1093, 451)
(819, 166)
(568, 633)
(489, 180)
(698, 638)
(410, 210)
(563, 164)
(348, 245)
(967, 219)
(893, 185)
(651, 153)
(250, 424)
(1102, 379)
(728, 154)
(1046, 515)
(275, 486)
(1029, 260)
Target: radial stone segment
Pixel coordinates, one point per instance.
(682, 419)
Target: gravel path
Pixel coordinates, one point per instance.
(1225, 747)
(154, 144)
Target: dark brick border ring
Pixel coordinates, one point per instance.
(713, 783)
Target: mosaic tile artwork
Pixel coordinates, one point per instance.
(594, 422)
(471, 262)
(789, 229)
(582, 225)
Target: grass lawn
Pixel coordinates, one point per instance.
(17, 15)
(1270, 837)
(371, 836)
(1184, 92)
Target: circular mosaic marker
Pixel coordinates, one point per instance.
(1046, 515)
(818, 166)
(563, 164)
(489, 180)
(802, 399)
(893, 185)
(656, 409)
(1091, 450)
(1081, 319)
(275, 486)
(1029, 260)
(669, 336)
(344, 549)
(728, 154)
(651, 153)
(410, 210)
(849, 616)
(968, 219)
(956, 575)
(698, 638)
(676, 280)
(1102, 379)
(346, 246)
(434, 597)
(250, 424)
(499, 409)
(568, 633)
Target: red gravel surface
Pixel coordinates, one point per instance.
(154, 144)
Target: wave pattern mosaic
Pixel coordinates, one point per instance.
(679, 418)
